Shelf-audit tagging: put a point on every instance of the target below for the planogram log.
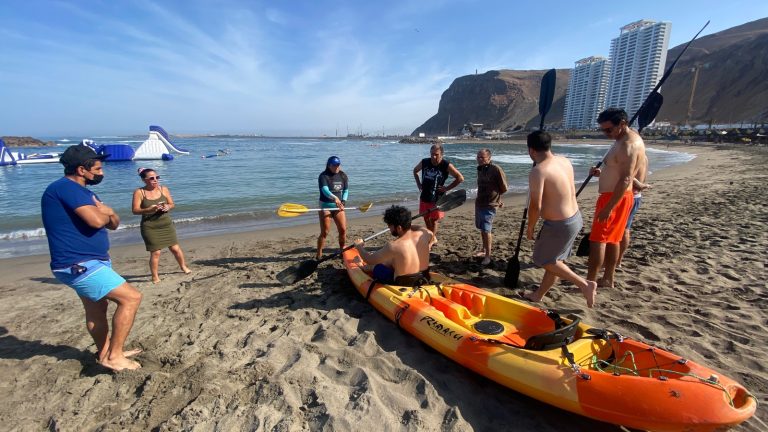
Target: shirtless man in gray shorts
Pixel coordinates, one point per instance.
(553, 198)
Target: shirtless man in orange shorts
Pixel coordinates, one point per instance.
(615, 202)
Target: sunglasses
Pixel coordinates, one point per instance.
(153, 178)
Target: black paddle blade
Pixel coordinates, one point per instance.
(297, 272)
(583, 249)
(664, 77)
(513, 272)
(452, 200)
(650, 108)
(547, 94)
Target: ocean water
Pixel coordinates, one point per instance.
(242, 191)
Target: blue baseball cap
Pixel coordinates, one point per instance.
(334, 161)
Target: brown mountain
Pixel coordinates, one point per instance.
(732, 86)
(503, 99)
(732, 82)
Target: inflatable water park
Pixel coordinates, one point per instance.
(157, 146)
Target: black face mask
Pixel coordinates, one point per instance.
(97, 178)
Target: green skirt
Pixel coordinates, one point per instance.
(158, 233)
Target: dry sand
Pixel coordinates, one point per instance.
(228, 348)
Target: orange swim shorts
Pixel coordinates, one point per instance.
(435, 215)
(611, 230)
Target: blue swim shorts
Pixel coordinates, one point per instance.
(95, 282)
(484, 218)
(635, 207)
(383, 273)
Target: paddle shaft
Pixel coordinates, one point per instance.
(664, 77)
(319, 209)
(546, 96)
(522, 223)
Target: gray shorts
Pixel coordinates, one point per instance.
(555, 240)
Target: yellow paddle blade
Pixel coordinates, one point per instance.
(365, 207)
(291, 210)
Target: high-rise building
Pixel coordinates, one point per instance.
(587, 88)
(638, 57)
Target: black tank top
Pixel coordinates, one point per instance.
(432, 177)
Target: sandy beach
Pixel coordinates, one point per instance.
(229, 348)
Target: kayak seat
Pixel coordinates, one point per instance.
(556, 338)
(474, 302)
(452, 310)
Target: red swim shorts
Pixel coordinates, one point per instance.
(611, 230)
(435, 215)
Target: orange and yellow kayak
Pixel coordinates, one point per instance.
(561, 361)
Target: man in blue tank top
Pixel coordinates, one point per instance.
(75, 222)
(434, 172)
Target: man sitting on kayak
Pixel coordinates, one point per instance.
(404, 259)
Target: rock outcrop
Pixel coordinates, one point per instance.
(505, 99)
(26, 142)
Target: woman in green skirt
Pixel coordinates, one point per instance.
(154, 203)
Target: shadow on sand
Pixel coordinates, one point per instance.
(13, 348)
(475, 397)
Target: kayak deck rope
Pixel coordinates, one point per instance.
(614, 368)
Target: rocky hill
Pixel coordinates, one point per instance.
(26, 142)
(504, 99)
(732, 86)
(732, 82)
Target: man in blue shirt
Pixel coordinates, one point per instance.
(75, 222)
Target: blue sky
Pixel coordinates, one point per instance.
(88, 68)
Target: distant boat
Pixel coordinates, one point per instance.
(157, 146)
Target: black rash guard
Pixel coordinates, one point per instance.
(337, 184)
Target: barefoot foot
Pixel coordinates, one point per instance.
(120, 364)
(129, 353)
(133, 352)
(603, 283)
(531, 297)
(186, 270)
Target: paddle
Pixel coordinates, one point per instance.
(645, 115)
(546, 96)
(293, 210)
(303, 269)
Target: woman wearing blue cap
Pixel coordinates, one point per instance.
(334, 189)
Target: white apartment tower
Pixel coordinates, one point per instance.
(637, 60)
(587, 89)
